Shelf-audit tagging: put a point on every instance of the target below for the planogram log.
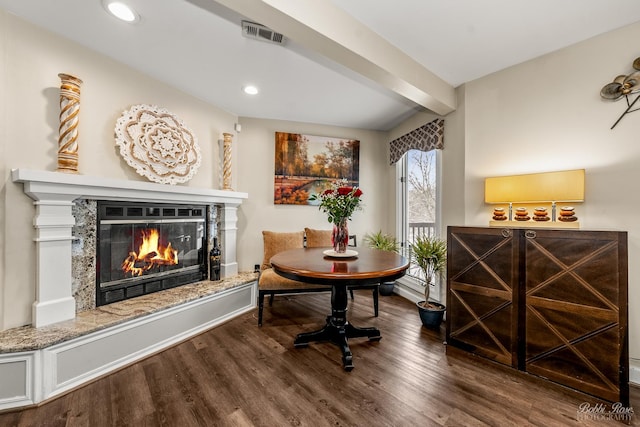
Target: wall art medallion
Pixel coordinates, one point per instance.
(157, 144)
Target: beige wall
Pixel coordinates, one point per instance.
(31, 61)
(256, 144)
(547, 115)
(3, 169)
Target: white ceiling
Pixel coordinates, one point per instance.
(197, 46)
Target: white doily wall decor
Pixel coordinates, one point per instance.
(157, 144)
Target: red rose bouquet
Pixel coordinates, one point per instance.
(339, 202)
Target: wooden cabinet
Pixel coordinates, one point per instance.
(549, 302)
(482, 272)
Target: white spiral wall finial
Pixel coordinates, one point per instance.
(68, 131)
(226, 163)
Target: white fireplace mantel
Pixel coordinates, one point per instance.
(54, 193)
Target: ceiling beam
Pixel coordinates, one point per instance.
(321, 26)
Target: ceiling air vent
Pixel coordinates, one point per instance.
(260, 32)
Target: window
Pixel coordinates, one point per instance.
(418, 205)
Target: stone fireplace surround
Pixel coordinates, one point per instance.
(63, 349)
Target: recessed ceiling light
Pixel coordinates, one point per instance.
(250, 90)
(121, 11)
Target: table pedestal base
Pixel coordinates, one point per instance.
(338, 335)
(337, 330)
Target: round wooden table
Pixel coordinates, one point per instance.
(313, 266)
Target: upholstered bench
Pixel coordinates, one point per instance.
(271, 283)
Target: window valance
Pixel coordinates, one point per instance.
(425, 138)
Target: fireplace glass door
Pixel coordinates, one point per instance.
(147, 248)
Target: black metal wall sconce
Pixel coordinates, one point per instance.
(623, 86)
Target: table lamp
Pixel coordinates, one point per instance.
(546, 187)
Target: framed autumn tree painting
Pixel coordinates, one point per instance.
(308, 164)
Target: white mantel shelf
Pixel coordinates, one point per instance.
(40, 184)
(54, 194)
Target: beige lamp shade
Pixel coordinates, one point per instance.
(563, 186)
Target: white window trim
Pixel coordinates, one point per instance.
(410, 287)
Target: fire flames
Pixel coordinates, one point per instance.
(150, 254)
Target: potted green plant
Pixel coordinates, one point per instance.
(430, 254)
(384, 242)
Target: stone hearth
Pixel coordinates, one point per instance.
(28, 338)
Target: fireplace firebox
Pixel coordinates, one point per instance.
(148, 247)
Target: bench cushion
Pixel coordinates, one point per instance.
(275, 242)
(270, 280)
(318, 238)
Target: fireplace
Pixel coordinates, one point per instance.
(54, 194)
(147, 247)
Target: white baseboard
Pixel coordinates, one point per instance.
(32, 377)
(407, 293)
(634, 371)
(18, 371)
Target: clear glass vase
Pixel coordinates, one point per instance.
(340, 236)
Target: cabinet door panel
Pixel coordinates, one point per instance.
(482, 287)
(573, 328)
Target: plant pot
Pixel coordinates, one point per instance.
(431, 316)
(386, 288)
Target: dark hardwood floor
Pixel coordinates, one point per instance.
(241, 375)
